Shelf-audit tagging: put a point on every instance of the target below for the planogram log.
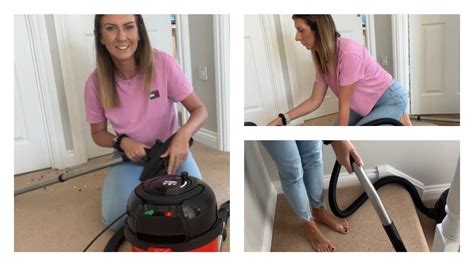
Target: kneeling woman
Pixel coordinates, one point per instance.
(135, 87)
(366, 92)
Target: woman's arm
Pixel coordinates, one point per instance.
(307, 106)
(101, 136)
(345, 96)
(179, 148)
(133, 149)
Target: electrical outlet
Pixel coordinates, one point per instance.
(202, 73)
(384, 60)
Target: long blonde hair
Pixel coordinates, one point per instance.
(106, 68)
(326, 36)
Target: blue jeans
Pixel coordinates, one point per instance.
(121, 180)
(392, 104)
(300, 166)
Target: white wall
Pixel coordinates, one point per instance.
(430, 162)
(201, 38)
(383, 39)
(259, 201)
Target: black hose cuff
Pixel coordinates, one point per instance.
(283, 119)
(394, 237)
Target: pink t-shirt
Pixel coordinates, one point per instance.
(356, 66)
(142, 117)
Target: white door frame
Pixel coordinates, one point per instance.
(401, 55)
(60, 156)
(183, 54)
(370, 30)
(221, 26)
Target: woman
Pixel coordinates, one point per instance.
(300, 167)
(366, 92)
(135, 87)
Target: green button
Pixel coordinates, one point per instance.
(149, 212)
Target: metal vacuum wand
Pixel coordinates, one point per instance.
(374, 198)
(69, 175)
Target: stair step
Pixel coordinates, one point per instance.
(366, 231)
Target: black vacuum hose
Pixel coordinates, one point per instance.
(436, 213)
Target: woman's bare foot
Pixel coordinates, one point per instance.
(405, 120)
(323, 216)
(318, 241)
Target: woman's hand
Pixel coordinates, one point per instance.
(276, 122)
(307, 106)
(134, 150)
(177, 151)
(343, 150)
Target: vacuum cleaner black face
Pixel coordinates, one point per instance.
(172, 213)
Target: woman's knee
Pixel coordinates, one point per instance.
(291, 173)
(119, 182)
(109, 215)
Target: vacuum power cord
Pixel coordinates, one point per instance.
(105, 229)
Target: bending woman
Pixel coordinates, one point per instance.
(366, 92)
(300, 167)
(135, 87)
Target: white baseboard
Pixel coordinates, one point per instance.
(426, 192)
(269, 219)
(347, 180)
(434, 191)
(207, 137)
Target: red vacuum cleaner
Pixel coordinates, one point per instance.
(165, 212)
(173, 213)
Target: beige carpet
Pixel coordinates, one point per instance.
(366, 232)
(67, 216)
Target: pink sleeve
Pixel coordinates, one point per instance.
(178, 85)
(319, 79)
(94, 109)
(351, 69)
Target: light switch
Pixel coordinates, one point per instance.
(202, 73)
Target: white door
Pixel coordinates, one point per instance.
(350, 26)
(434, 64)
(31, 144)
(77, 52)
(261, 95)
(300, 63)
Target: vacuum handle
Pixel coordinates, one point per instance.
(71, 174)
(371, 192)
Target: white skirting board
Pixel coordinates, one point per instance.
(346, 180)
(207, 137)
